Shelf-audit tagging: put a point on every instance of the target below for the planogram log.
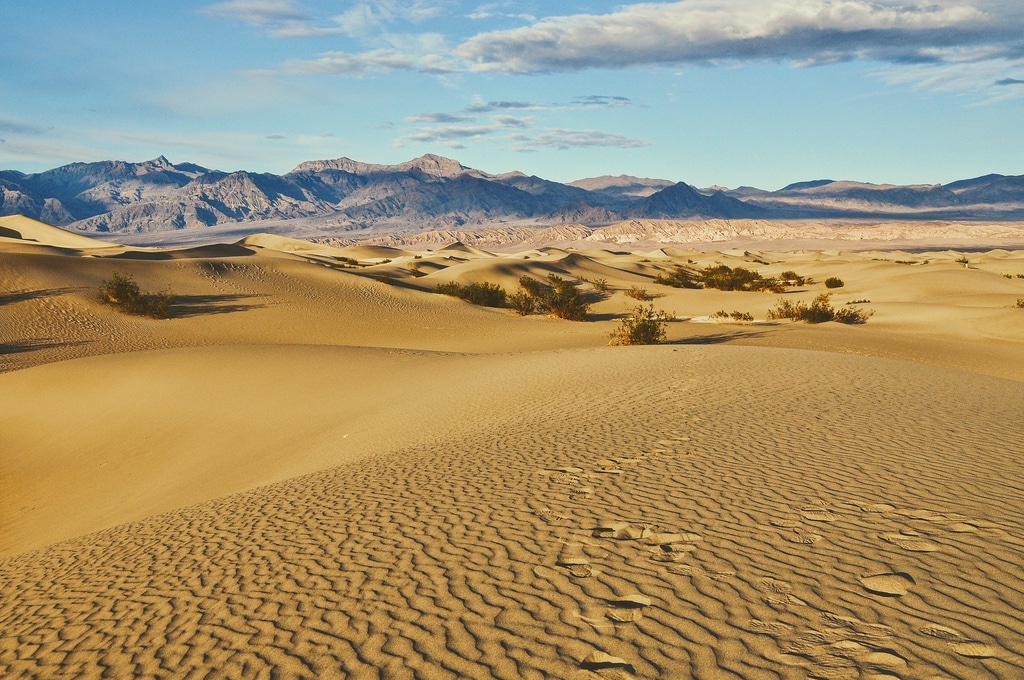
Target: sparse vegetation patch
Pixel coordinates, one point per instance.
(638, 293)
(819, 310)
(834, 282)
(122, 292)
(645, 325)
(557, 296)
(485, 294)
(735, 316)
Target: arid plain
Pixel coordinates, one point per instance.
(316, 468)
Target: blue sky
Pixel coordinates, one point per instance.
(727, 92)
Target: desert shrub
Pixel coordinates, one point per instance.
(735, 316)
(638, 293)
(963, 260)
(851, 315)
(680, 277)
(1020, 303)
(858, 302)
(834, 282)
(724, 277)
(485, 294)
(645, 325)
(600, 285)
(1020, 276)
(121, 291)
(819, 310)
(791, 278)
(522, 302)
(563, 300)
(558, 297)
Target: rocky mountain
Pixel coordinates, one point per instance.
(432, 192)
(991, 196)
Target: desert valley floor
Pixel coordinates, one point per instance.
(316, 468)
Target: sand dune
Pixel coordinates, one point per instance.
(307, 472)
(877, 533)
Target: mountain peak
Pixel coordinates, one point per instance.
(432, 164)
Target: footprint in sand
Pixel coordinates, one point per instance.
(622, 531)
(961, 528)
(909, 541)
(779, 594)
(942, 632)
(607, 466)
(695, 571)
(789, 522)
(550, 516)
(571, 555)
(802, 537)
(885, 659)
(927, 515)
(773, 628)
(974, 650)
(817, 515)
(627, 609)
(566, 475)
(892, 584)
(598, 661)
(581, 493)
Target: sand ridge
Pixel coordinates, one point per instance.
(478, 557)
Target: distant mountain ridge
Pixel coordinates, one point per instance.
(434, 192)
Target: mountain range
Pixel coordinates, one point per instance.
(432, 192)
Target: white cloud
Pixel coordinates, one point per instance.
(562, 138)
(702, 31)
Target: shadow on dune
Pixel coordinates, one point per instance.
(22, 346)
(713, 338)
(23, 295)
(198, 305)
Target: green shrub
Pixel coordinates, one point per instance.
(818, 311)
(735, 316)
(723, 277)
(834, 282)
(558, 297)
(121, 291)
(485, 294)
(680, 277)
(791, 278)
(644, 326)
(638, 293)
(851, 315)
(522, 302)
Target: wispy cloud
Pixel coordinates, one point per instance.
(451, 132)
(283, 19)
(562, 138)
(21, 128)
(438, 118)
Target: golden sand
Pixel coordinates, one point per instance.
(310, 473)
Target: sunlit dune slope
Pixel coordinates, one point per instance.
(684, 511)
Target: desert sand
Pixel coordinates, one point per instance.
(319, 469)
